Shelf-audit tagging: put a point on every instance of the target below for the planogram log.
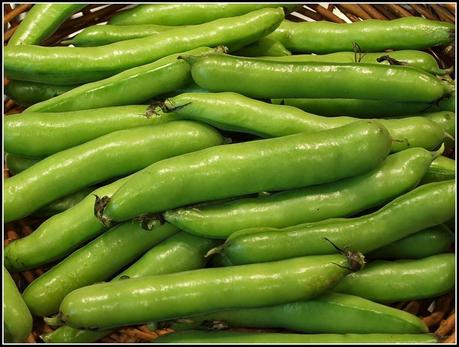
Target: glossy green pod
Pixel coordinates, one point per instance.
(371, 35)
(426, 206)
(263, 47)
(275, 79)
(250, 167)
(18, 163)
(447, 120)
(425, 243)
(329, 313)
(180, 252)
(28, 93)
(41, 21)
(113, 155)
(38, 134)
(286, 338)
(402, 280)
(419, 59)
(162, 297)
(97, 261)
(441, 169)
(17, 320)
(71, 65)
(184, 14)
(235, 112)
(129, 87)
(337, 199)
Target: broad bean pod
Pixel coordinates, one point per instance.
(122, 245)
(155, 298)
(263, 47)
(371, 35)
(235, 112)
(40, 134)
(180, 252)
(400, 280)
(109, 156)
(249, 337)
(41, 21)
(29, 93)
(133, 86)
(243, 168)
(426, 206)
(70, 65)
(447, 120)
(18, 163)
(337, 199)
(351, 314)
(184, 14)
(275, 79)
(425, 243)
(17, 321)
(441, 169)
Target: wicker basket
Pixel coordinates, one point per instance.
(437, 313)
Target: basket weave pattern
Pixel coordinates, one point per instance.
(437, 313)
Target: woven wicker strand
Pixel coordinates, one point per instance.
(440, 320)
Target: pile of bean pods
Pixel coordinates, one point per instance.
(210, 167)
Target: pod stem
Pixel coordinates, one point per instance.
(54, 320)
(165, 106)
(390, 60)
(99, 208)
(356, 260)
(150, 220)
(215, 250)
(440, 151)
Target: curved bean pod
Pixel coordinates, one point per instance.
(351, 314)
(109, 156)
(419, 59)
(235, 112)
(246, 337)
(266, 165)
(122, 245)
(447, 120)
(441, 169)
(426, 206)
(17, 318)
(338, 199)
(40, 134)
(425, 243)
(29, 93)
(180, 252)
(263, 47)
(274, 79)
(400, 280)
(70, 65)
(184, 14)
(155, 298)
(133, 86)
(371, 35)
(41, 21)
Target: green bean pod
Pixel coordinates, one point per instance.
(441, 169)
(29, 93)
(371, 35)
(155, 298)
(17, 320)
(184, 14)
(59, 235)
(250, 167)
(109, 156)
(263, 47)
(133, 86)
(419, 59)
(99, 35)
(70, 65)
(180, 252)
(122, 245)
(337, 199)
(41, 21)
(447, 120)
(401, 280)
(350, 314)
(235, 112)
(40, 134)
(230, 337)
(424, 207)
(17, 163)
(275, 79)
(425, 243)
(362, 108)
